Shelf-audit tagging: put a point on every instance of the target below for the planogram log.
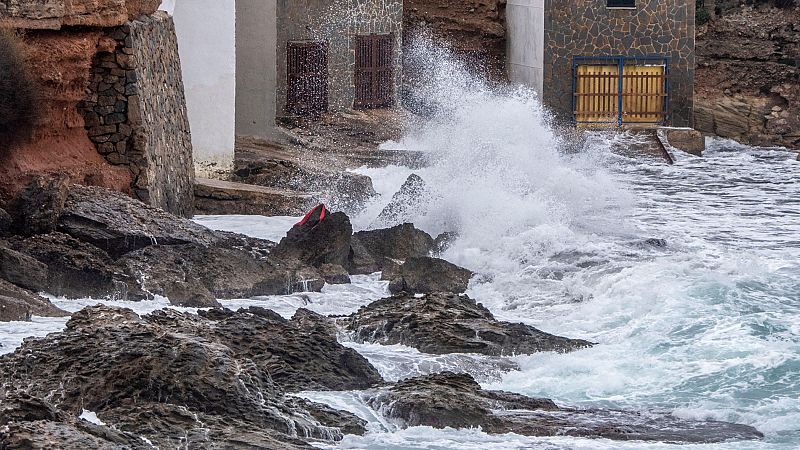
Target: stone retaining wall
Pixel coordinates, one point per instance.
(135, 112)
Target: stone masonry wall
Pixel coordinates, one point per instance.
(338, 23)
(589, 28)
(136, 112)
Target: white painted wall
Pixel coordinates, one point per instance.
(525, 23)
(206, 43)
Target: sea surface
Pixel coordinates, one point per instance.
(687, 276)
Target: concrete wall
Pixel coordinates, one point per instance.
(525, 38)
(206, 41)
(337, 22)
(662, 28)
(256, 68)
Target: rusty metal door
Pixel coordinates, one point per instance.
(374, 71)
(307, 78)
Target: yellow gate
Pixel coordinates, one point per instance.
(603, 96)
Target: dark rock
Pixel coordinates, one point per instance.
(221, 271)
(449, 323)
(299, 354)
(5, 223)
(19, 406)
(399, 242)
(654, 242)
(37, 305)
(425, 274)
(119, 224)
(456, 400)
(21, 269)
(360, 261)
(318, 242)
(36, 208)
(390, 269)
(405, 202)
(444, 241)
(59, 435)
(334, 274)
(215, 382)
(14, 310)
(76, 269)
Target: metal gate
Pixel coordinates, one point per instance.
(620, 91)
(374, 72)
(307, 78)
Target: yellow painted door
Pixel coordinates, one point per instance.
(643, 94)
(596, 99)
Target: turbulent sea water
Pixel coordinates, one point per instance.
(557, 229)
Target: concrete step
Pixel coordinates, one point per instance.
(227, 197)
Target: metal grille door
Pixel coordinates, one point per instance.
(374, 73)
(307, 78)
(620, 91)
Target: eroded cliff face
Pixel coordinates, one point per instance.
(473, 29)
(53, 14)
(747, 84)
(62, 65)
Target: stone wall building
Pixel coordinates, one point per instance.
(606, 62)
(303, 57)
(112, 96)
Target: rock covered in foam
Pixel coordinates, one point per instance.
(442, 323)
(456, 400)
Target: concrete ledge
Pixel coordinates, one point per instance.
(227, 197)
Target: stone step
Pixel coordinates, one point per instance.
(227, 197)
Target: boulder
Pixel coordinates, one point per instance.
(14, 310)
(334, 274)
(77, 269)
(448, 323)
(21, 269)
(5, 223)
(424, 274)
(36, 304)
(399, 242)
(322, 238)
(360, 261)
(405, 202)
(444, 241)
(215, 380)
(455, 400)
(217, 271)
(36, 209)
(119, 224)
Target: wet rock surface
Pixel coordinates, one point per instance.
(421, 275)
(449, 323)
(371, 248)
(12, 295)
(405, 202)
(170, 376)
(456, 400)
(111, 246)
(37, 207)
(323, 239)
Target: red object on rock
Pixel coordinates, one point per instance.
(313, 217)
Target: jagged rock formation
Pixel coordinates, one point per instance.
(456, 400)
(92, 242)
(748, 76)
(216, 381)
(449, 323)
(421, 275)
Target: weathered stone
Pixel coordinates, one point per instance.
(173, 377)
(425, 274)
(324, 239)
(14, 310)
(457, 401)
(119, 224)
(5, 222)
(21, 269)
(405, 202)
(225, 197)
(37, 207)
(334, 274)
(449, 323)
(37, 305)
(399, 242)
(54, 14)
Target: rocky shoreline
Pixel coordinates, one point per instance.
(228, 379)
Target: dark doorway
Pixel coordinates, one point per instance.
(307, 78)
(374, 74)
